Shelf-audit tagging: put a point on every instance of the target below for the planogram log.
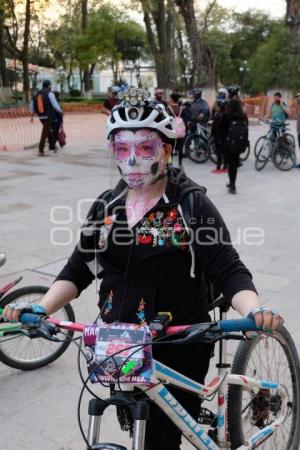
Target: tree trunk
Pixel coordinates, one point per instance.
(159, 14)
(293, 16)
(5, 90)
(87, 85)
(26, 87)
(202, 59)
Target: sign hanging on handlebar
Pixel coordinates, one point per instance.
(118, 353)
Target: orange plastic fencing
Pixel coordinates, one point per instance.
(12, 113)
(85, 129)
(85, 125)
(259, 106)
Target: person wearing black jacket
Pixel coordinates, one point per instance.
(139, 241)
(234, 113)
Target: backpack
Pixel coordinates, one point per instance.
(180, 128)
(41, 103)
(238, 137)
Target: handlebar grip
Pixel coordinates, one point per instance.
(30, 319)
(238, 325)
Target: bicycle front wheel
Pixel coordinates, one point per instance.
(212, 151)
(196, 149)
(284, 157)
(19, 351)
(263, 155)
(274, 358)
(259, 143)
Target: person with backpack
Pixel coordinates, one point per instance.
(44, 104)
(56, 125)
(176, 109)
(218, 132)
(155, 240)
(237, 140)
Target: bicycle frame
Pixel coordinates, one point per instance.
(190, 428)
(160, 395)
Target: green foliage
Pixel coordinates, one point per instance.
(235, 38)
(276, 63)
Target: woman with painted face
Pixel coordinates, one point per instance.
(155, 240)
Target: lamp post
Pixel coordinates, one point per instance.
(61, 76)
(187, 77)
(244, 69)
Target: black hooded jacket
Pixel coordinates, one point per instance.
(164, 262)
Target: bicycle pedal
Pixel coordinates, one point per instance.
(108, 447)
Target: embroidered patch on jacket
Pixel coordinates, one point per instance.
(141, 312)
(108, 304)
(105, 229)
(163, 229)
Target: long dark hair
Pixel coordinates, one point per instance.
(235, 109)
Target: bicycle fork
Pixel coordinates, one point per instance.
(139, 411)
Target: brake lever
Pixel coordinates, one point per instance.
(43, 330)
(214, 337)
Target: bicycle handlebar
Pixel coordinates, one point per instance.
(223, 326)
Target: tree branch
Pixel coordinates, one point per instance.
(208, 11)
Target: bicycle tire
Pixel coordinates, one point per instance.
(195, 149)
(245, 155)
(262, 161)
(257, 147)
(244, 363)
(212, 151)
(14, 352)
(291, 140)
(282, 154)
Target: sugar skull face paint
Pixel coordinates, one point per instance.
(140, 156)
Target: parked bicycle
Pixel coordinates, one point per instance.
(200, 146)
(263, 385)
(16, 350)
(277, 145)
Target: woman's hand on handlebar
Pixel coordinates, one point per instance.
(266, 318)
(13, 310)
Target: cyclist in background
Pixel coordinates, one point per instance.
(279, 110)
(219, 131)
(221, 96)
(199, 110)
(111, 100)
(236, 126)
(159, 96)
(136, 240)
(233, 92)
(176, 109)
(298, 124)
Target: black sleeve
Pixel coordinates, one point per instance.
(216, 257)
(83, 265)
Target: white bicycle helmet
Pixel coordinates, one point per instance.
(137, 110)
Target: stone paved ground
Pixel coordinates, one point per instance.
(38, 409)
